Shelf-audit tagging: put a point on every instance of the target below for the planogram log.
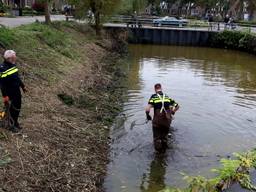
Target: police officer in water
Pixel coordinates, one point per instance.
(164, 109)
(11, 84)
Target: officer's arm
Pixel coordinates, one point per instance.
(174, 106)
(21, 82)
(149, 118)
(150, 104)
(148, 108)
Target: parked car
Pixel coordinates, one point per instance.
(171, 21)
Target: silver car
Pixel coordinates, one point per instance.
(170, 21)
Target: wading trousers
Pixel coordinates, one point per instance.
(15, 98)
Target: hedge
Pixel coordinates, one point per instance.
(243, 41)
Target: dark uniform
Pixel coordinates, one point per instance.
(11, 83)
(162, 115)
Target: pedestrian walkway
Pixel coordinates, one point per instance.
(17, 21)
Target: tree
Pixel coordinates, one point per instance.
(251, 7)
(47, 12)
(99, 8)
(44, 5)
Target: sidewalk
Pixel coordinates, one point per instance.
(17, 21)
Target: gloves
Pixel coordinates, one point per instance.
(24, 89)
(149, 118)
(6, 100)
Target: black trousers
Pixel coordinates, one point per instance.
(15, 98)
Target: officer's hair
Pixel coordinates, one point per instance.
(158, 86)
(8, 54)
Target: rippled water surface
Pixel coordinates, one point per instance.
(216, 90)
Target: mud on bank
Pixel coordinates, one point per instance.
(74, 93)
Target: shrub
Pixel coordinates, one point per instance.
(237, 40)
(3, 7)
(28, 11)
(67, 99)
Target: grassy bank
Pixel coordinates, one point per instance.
(242, 41)
(74, 92)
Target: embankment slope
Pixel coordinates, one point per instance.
(73, 79)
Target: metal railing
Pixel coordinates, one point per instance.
(141, 21)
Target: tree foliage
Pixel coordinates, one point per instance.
(99, 8)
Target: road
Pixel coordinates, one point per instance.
(18, 21)
(239, 28)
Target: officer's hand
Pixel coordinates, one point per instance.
(25, 90)
(6, 100)
(149, 118)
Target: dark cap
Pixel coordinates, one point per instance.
(158, 86)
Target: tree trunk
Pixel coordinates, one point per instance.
(97, 23)
(47, 13)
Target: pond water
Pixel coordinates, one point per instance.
(216, 90)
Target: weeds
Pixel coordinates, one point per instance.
(232, 171)
(68, 100)
(5, 161)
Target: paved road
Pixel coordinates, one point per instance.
(17, 21)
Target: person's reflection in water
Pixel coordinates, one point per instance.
(156, 178)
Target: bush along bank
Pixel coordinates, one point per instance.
(75, 83)
(243, 41)
(237, 170)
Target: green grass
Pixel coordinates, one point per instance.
(50, 50)
(7, 37)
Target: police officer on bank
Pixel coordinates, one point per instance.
(164, 108)
(11, 84)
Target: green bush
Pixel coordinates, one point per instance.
(3, 8)
(237, 40)
(29, 11)
(67, 99)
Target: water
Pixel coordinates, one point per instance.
(216, 90)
